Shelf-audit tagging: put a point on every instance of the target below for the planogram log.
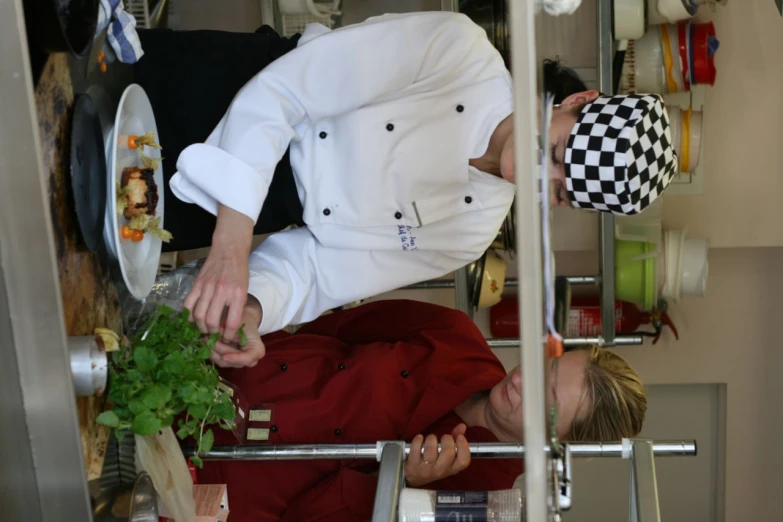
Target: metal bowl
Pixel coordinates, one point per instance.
(136, 502)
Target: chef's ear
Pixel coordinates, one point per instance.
(580, 99)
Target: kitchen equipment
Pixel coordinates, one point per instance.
(629, 19)
(585, 319)
(695, 267)
(490, 279)
(686, 129)
(507, 236)
(62, 25)
(491, 15)
(138, 262)
(88, 171)
(674, 241)
(89, 365)
(309, 7)
(703, 46)
(135, 502)
(647, 63)
(672, 11)
(635, 273)
(672, 63)
(690, 136)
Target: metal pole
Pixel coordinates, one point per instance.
(511, 282)
(390, 482)
(462, 291)
(496, 450)
(644, 486)
(626, 340)
(606, 221)
(524, 64)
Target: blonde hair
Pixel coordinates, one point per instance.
(616, 398)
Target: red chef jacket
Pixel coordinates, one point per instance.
(384, 371)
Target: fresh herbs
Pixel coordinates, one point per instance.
(166, 374)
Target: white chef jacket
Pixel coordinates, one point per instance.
(382, 119)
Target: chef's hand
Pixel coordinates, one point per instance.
(232, 355)
(222, 282)
(424, 467)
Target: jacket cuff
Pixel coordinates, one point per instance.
(209, 176)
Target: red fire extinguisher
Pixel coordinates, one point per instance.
(584, 319)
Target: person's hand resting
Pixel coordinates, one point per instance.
(428, 466)
(236, 354)
(223, 280)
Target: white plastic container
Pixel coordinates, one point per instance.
(421, 505)
(695, 267)
(628, 19)
(648, 64)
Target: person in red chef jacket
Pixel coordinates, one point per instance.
(402, 370)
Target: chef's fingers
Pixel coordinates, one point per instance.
(414, 457)
(236, 307)
(463, 455)
(223, 349)
(192, 298)
(218, 360)
(430, 449)
(461, 429)
(202, 307)
(446, 457)
(249, 356)
(215, 312)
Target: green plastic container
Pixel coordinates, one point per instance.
(634, 278)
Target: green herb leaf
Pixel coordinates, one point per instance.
(174, 363)
(242, 336)
(207, 440)
(146, 423)
(108, 418)
(196, 460)
(156, 396)
(145, 359)
(137, 407)
(185, 314)
(204, 352)
(165, 311)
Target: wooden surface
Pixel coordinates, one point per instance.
(89, 294)
(161, 456)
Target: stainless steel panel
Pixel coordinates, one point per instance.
(42, 477)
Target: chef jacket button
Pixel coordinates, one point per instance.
(404, 374)
(322, 135)
(338, 432)
(327, 212)
(390, 127)
(273, 428)
(398, 215)
(341, 366)
(283, 367)
(468, 200)
(460, 108)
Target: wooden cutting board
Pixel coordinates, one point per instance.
(161, 456)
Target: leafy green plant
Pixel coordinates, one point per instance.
(164, 373)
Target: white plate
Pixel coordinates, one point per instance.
(138, 262)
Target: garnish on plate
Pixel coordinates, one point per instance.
(145, 140)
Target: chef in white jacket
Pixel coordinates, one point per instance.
(399, 131)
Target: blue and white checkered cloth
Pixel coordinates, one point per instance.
(122, 41)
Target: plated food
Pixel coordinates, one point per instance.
(134, 232)
(137, 195)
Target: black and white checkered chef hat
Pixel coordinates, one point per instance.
(620, 157)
